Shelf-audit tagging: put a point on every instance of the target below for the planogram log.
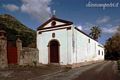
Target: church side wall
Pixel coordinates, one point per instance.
(100, 51)
(80, 42)
(64, 38)
(86, 49)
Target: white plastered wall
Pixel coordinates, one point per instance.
(86, 49)
(64, 37)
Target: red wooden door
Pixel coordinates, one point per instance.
(54, 52)
(12, 53)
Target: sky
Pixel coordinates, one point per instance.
(83, 13)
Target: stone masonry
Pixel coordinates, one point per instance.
(3, 50)
(29, 56)
(26, 56)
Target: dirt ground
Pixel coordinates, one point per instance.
(27, 72)
(105, 70)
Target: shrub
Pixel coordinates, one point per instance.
(118, 63)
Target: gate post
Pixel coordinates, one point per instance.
(3, 49)
(19, 49)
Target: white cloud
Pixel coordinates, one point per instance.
(104, 19)
(107, 29)
(110, 30)
(109, 25)
(79, 27)
(39, 9)
(88, 26)
(11, 7)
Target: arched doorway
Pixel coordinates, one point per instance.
(54, 51)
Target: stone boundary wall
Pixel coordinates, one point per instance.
(25, 55)
(3, 49)
(3, 53)
(29, 56)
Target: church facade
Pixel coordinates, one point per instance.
(59, 41)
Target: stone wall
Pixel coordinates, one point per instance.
(3, 53)
(29, 56)
(25, 55)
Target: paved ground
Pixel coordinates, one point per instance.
(99, 71)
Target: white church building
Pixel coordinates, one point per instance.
(59, 41)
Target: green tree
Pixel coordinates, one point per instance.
(14, 27)
(95, 32)
(112, 46)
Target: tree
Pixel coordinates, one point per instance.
(95, 32)
(112, 46)
(14, 27)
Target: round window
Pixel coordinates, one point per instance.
(53, 23)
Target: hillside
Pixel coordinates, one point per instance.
(14, 27)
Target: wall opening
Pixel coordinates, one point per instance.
(12, 52)
(54, 51)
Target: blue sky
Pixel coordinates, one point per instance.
(84, 13)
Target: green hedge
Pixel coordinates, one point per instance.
(118, 63)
